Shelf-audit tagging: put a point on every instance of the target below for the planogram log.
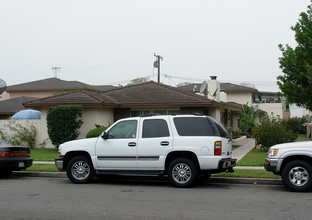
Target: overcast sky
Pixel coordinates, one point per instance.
(109, 42)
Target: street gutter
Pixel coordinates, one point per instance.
(233, 180)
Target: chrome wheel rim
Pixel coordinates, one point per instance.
(182, 173)
(298, 176)
(80, 170)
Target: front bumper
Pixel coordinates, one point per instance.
(15, 163)
(271, 165)
(59, 163)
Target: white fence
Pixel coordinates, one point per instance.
(42, 141)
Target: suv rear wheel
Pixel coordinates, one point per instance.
(182, 172)
(297, 175)
(80, 169)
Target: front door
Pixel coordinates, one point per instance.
(119, 150)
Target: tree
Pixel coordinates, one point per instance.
(138, 81)
(296, 64)
(247, 119)
(63, 123)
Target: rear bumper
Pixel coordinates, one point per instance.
(15, 163)
(227, 165)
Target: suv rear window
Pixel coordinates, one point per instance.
(187, 126)
(223, 132)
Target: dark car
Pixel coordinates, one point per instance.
(13, 158)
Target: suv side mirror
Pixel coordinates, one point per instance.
(105, 135)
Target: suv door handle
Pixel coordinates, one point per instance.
(164, 143)
(132, 144)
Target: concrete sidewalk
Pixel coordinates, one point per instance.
(246, 144)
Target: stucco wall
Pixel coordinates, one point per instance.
(6, 124)
(241, 98)
(275, 108)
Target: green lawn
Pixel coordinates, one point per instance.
(235, 146)
(43, 168)
(255, 157)
(43, 154)
(242, 173)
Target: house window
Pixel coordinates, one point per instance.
(137, 113)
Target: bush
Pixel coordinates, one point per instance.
(272, 131)
(96, 132)
(297, 124)
(22, 136)
(63, 123)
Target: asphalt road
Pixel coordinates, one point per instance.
(138, 198)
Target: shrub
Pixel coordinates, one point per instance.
(272, 131)
(96, 132)
(297, 124)
(63, 123)
(22, 136)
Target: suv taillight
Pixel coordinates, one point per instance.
(218, 148)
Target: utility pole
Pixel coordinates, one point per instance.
(158, 65)
(56, 70)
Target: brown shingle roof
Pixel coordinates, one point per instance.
(55, 84)
(82, 97)
(154, 94)
(11, 106)
(148, 94)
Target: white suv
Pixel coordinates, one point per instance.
(184, 147)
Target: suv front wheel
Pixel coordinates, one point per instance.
(80, 169)
(182, 172)
(297, 175)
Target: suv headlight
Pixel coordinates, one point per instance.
(59, 150)
(272, 152)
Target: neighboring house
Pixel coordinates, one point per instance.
(9, 107)
(49, 87)
(137, 100)
(15, 95)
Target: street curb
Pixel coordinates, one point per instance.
(234, 180)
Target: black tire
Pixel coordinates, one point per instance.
(297, 176)
(80, 170)
(204, 177)
(5, 173)
(182, 172)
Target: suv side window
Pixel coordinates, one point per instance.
(124, 129)
(153, 128)
(187, 126)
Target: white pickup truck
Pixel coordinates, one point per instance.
(293, 161)
(184, 147)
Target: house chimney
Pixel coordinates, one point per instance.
(214, 89)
